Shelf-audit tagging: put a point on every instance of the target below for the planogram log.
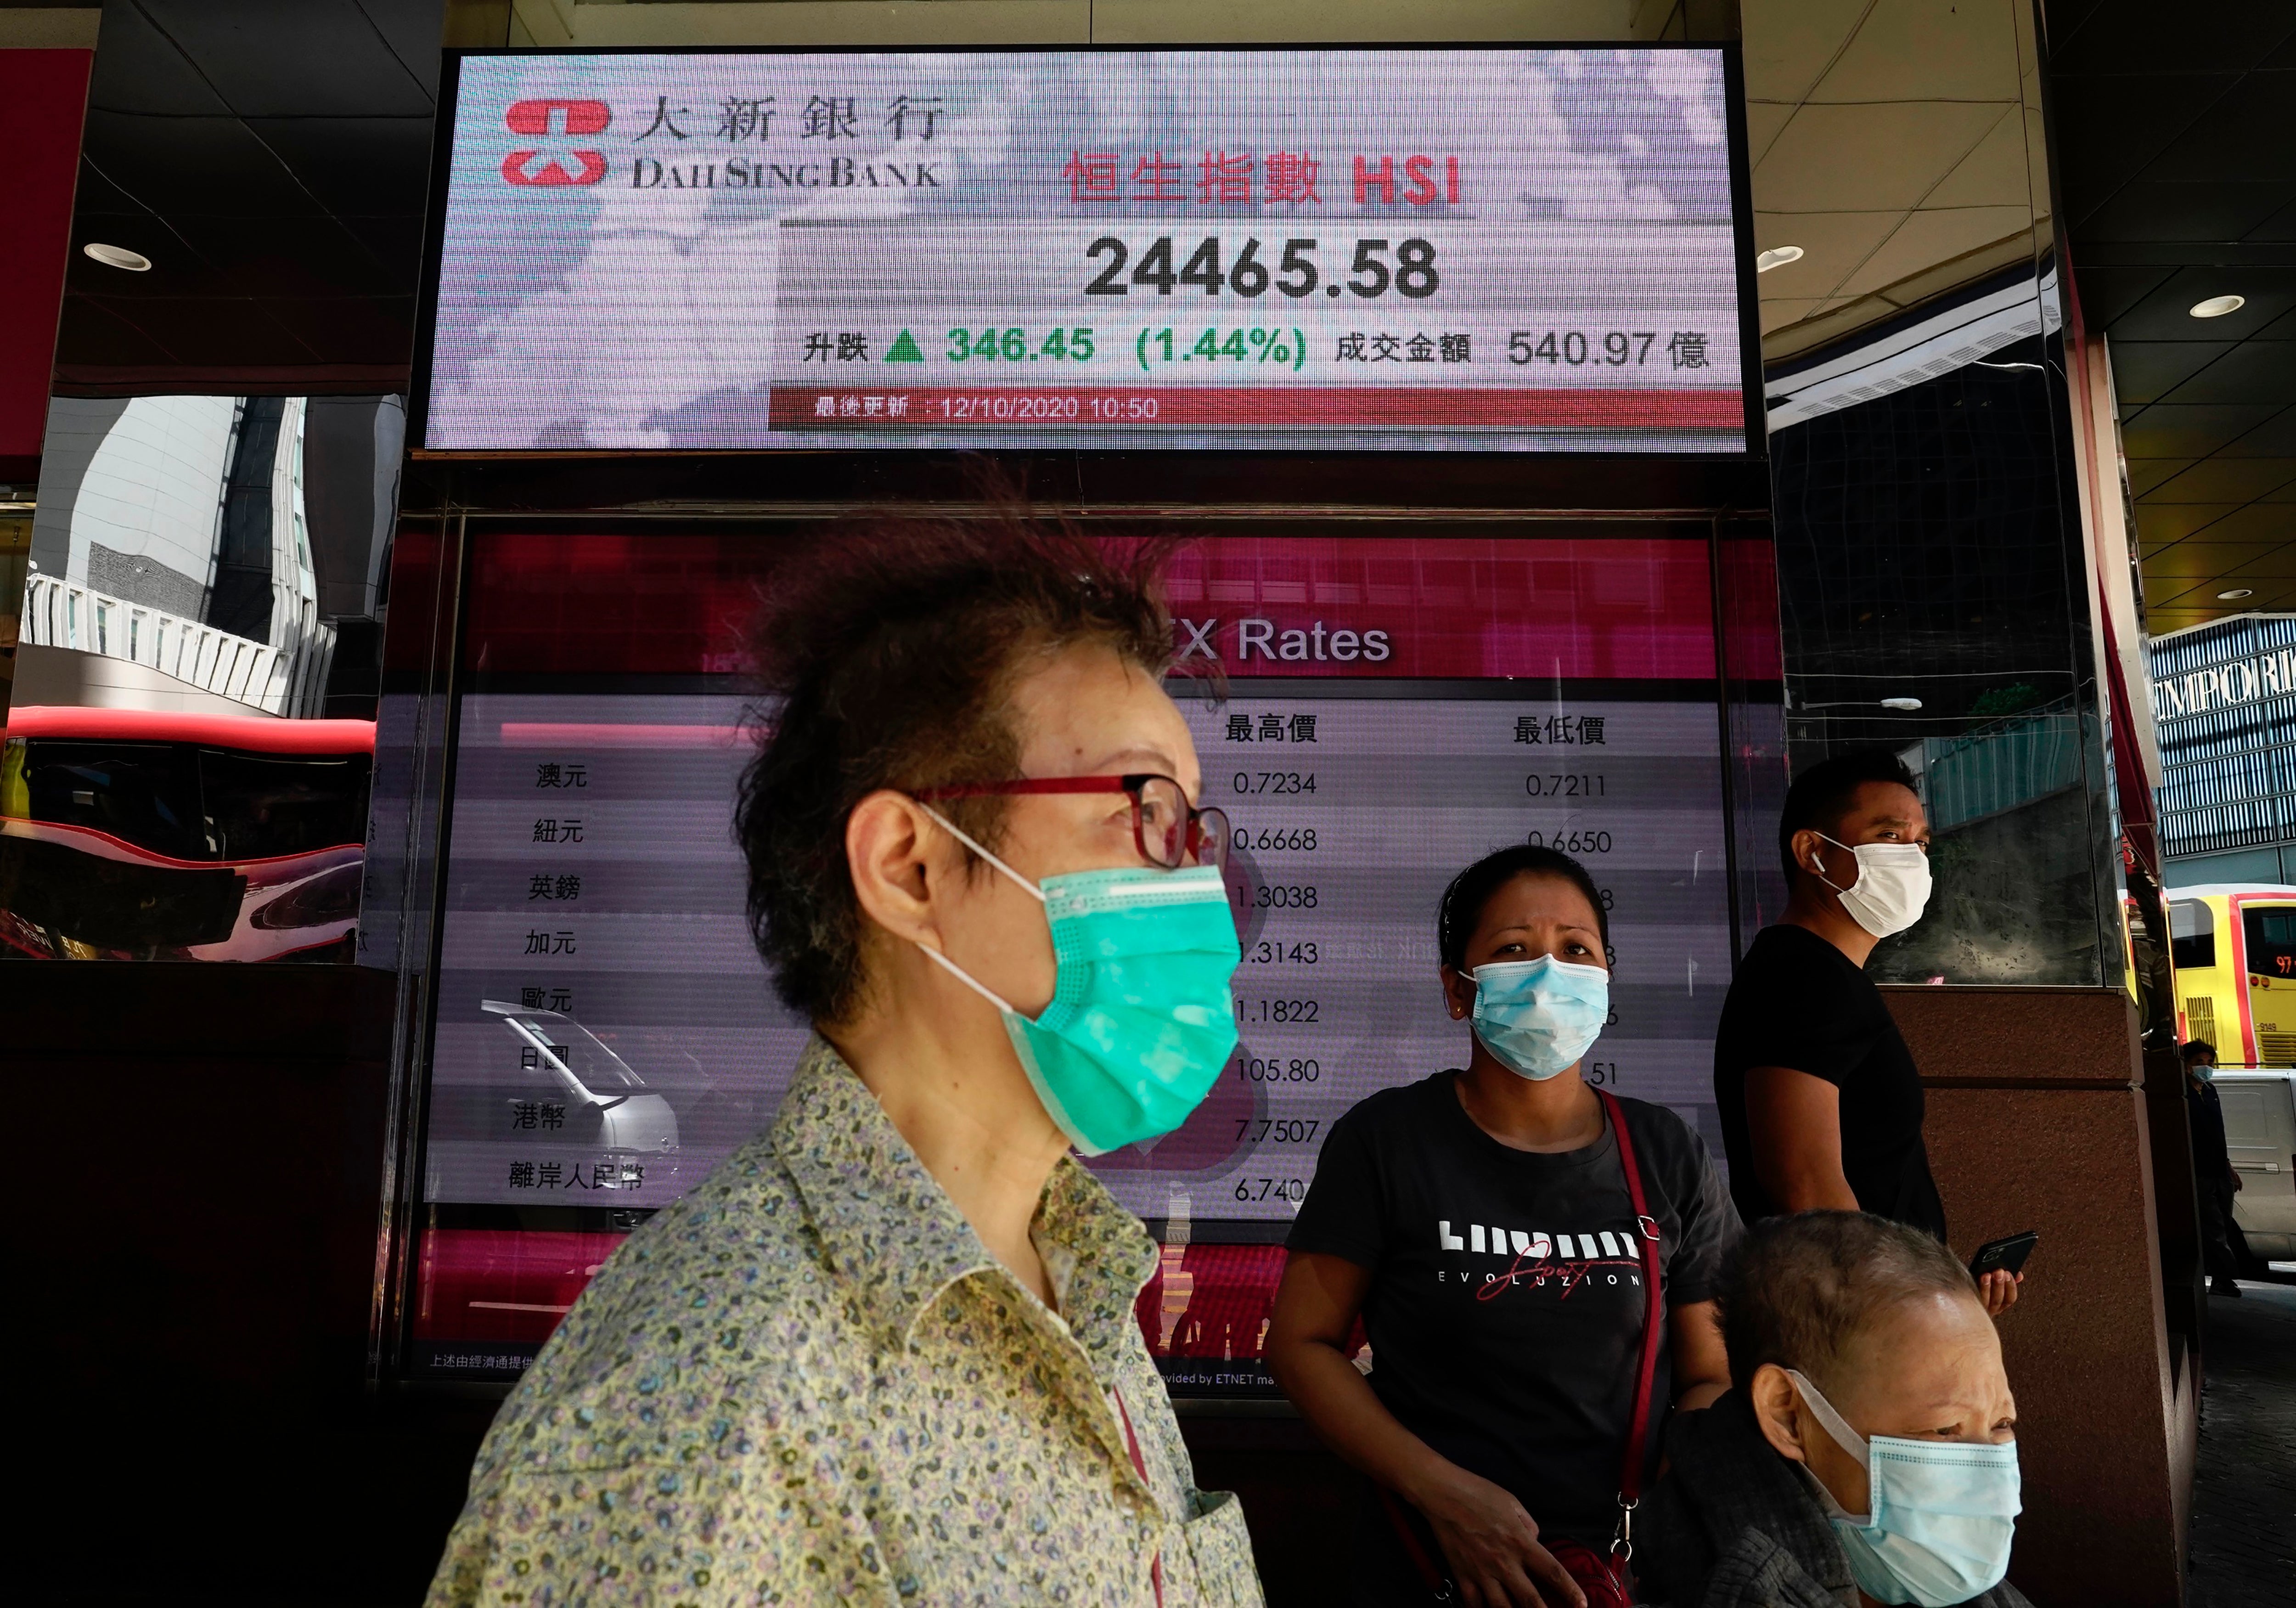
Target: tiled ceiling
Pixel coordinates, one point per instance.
(2176, 148)
(1897, 143)
(270, 157)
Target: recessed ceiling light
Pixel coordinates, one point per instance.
(2237, 594)
(119, 256)
(1777, 257)
(2217, 306)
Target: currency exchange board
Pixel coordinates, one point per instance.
(1396, 708)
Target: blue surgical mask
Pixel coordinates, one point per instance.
(1141, 1021)
(1943, 1511)
(1539, 1016)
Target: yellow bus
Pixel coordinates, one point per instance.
(2234, 947)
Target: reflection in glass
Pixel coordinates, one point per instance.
(128, 835)
(1929, 548)
(607, 1108)
(189, 721)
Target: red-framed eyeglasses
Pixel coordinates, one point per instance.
(1168, 831)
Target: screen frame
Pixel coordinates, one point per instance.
(440, 678)
(896, 470)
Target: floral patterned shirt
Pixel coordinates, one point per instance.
(808, 1382)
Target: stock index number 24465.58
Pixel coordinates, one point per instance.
(1298, 270)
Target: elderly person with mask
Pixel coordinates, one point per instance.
(1867, 1453)
(885, 1353)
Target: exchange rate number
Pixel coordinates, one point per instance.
(1292, 1012)
(1284, 897)
(1278, 1130)
(1267, 954)
(1275, 781)
(1271, 1189)
(1565, 786)
(1278, 1070)
(1290, 840)
(1413, 274)
(1572, 842)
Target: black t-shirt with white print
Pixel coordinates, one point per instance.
(1505, 1308)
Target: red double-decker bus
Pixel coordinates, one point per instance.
(134, 834)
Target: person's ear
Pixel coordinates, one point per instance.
(1458, 992)
(1809, 852)
(894, 855)
(1778, 1411)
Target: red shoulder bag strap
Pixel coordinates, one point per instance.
(1646, 1239)
(1438, 1584)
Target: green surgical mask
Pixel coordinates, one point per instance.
(1141, 1021)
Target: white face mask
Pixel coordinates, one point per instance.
(1892, 889)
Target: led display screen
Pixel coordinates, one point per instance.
(1424, 249)
(1396, 707)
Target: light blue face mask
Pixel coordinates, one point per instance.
(1944, 1512)
(1539, 1016)
(1141, 1021)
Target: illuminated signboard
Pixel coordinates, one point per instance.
(1424, 249)
(606, 1033)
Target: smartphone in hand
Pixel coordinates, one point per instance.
(2005, 1255)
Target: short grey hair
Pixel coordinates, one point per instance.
(1796, 1290)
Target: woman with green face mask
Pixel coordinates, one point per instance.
(886, 1352)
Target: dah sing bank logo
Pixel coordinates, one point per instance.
(548, 118)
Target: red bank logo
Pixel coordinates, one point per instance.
(548, 118)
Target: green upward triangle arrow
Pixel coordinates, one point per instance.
(904, 349)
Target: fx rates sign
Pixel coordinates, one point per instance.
(1392, 250)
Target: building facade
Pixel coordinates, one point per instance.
(2224, 696)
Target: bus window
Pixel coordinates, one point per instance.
(2271, 936)
(146, 794)
(262, 806)
(2192, 934)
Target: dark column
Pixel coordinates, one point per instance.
(42, 100)
(2035, 1122)
(240, 600)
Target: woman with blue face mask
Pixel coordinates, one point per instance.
(1535, 1284)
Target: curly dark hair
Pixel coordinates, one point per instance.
(890, 646)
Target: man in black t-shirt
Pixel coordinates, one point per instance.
(1821, 1103)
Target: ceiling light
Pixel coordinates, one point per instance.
(119, 256)
(2217, 306)
(2237, 594)
(1777, 257)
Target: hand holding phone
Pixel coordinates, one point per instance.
(1996, 1268)
(2005, 1255)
